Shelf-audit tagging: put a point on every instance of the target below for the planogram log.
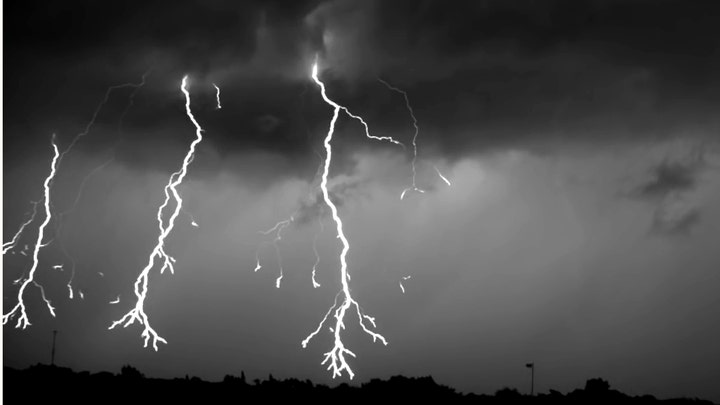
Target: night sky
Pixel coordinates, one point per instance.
(580, 231)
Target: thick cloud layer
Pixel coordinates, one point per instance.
(481, 75)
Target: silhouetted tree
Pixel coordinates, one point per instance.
(130, 372)
(597, 386)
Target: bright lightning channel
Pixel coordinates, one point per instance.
(141, 285)
(315, 284)
(413, 187)
(335, 358)
(402, 287)
(19, 308)
(442, 177)
(217, 96)
(12, 243)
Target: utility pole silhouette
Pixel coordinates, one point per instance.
(531, 366)
(52, 353)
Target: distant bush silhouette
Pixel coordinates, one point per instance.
(597, 385)
(128, 371)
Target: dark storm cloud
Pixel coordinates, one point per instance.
(481, 75)
(531, 74)
(667, 190)
(195, 33)
(669, 177)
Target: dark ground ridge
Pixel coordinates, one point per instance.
(51, 385)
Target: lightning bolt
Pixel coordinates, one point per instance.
(11, 244)
(442, 177)
(315, 284)
(217, 96)
(401, 284)
(281, 225)
(277, 230)
(135, 86)
(19, 308)
(141, 284)
(59, 224)
(413, 187)
(115, 301)
(335, 358)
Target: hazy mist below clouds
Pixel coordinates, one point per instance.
(524, 258)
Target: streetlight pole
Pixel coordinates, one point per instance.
(531, 366)
(52, 353)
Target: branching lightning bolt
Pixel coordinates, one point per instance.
(413, 187)
(12, 243)
(19, 308)
(59, 223)
(104, 101)
(281, 225)
(141, 285)
(335, 358)
(277, 230)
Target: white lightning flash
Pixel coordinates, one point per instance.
(413, 187)
(141, 285)
(442, 177)
(115, 301)
(19, 308)
(315, 284)
(277, 230)
(401, 283)
(217, 96)
(192, 219)
(12, 243)
(336, 356)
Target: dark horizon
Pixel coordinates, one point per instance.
(58, 380)
(568, 157)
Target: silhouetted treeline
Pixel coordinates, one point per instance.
(50, 385)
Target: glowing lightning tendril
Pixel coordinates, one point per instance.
(59, 223)
(336, 356)
(11, 244)
(317, 255)
(402, 287)
(141, 285)
(277, 229)
(442, 177)
(414, 139)
(217, 96)
(23, 320)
